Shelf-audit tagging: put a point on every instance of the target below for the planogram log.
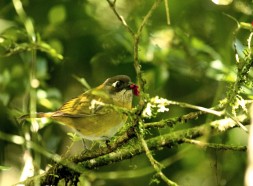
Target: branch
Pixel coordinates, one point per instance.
(153, 143)
(126, 151)
(166, 4)
(126, 147)
(156, 165)
(120, 17)
(203, 109)
(146, 18)
(172, 121)
(137, 36)
(215, 146)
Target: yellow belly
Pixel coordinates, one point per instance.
(97, 127)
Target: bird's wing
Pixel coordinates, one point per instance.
(87, 104)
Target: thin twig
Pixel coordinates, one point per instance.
(203, 109)
(156, 165)
(172, 121)
(120, 17)
(236, 120)
(215, 146)
(137, 36)
(147, 17)
(166, 4)
(141, 81)
(139, 172)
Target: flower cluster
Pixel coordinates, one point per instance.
(154, 106)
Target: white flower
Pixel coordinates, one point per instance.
(223, 124)
(162, 109)
(147, 112)
(155, 105)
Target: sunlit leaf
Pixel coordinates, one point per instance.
(82, 81)
(57, 14)
(43, 46)
(222, 2)
(3, 168)
(5, 24)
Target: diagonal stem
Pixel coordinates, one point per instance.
(156, 165)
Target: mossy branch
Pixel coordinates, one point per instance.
(243, 65)
(215, 146)
(127, 146)
(128, 150)
(155, 164)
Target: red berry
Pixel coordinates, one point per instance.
(135, 89)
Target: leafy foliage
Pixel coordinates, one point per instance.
(195, 75)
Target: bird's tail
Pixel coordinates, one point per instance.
(37, 115)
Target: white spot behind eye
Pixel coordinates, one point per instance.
(115, 84)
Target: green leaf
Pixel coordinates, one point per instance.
(4, 168)
(222, 2)
(57, 14)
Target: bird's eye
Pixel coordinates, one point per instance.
(117, 84)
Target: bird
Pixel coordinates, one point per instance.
(89, 113)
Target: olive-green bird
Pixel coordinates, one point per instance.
(88, 113)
